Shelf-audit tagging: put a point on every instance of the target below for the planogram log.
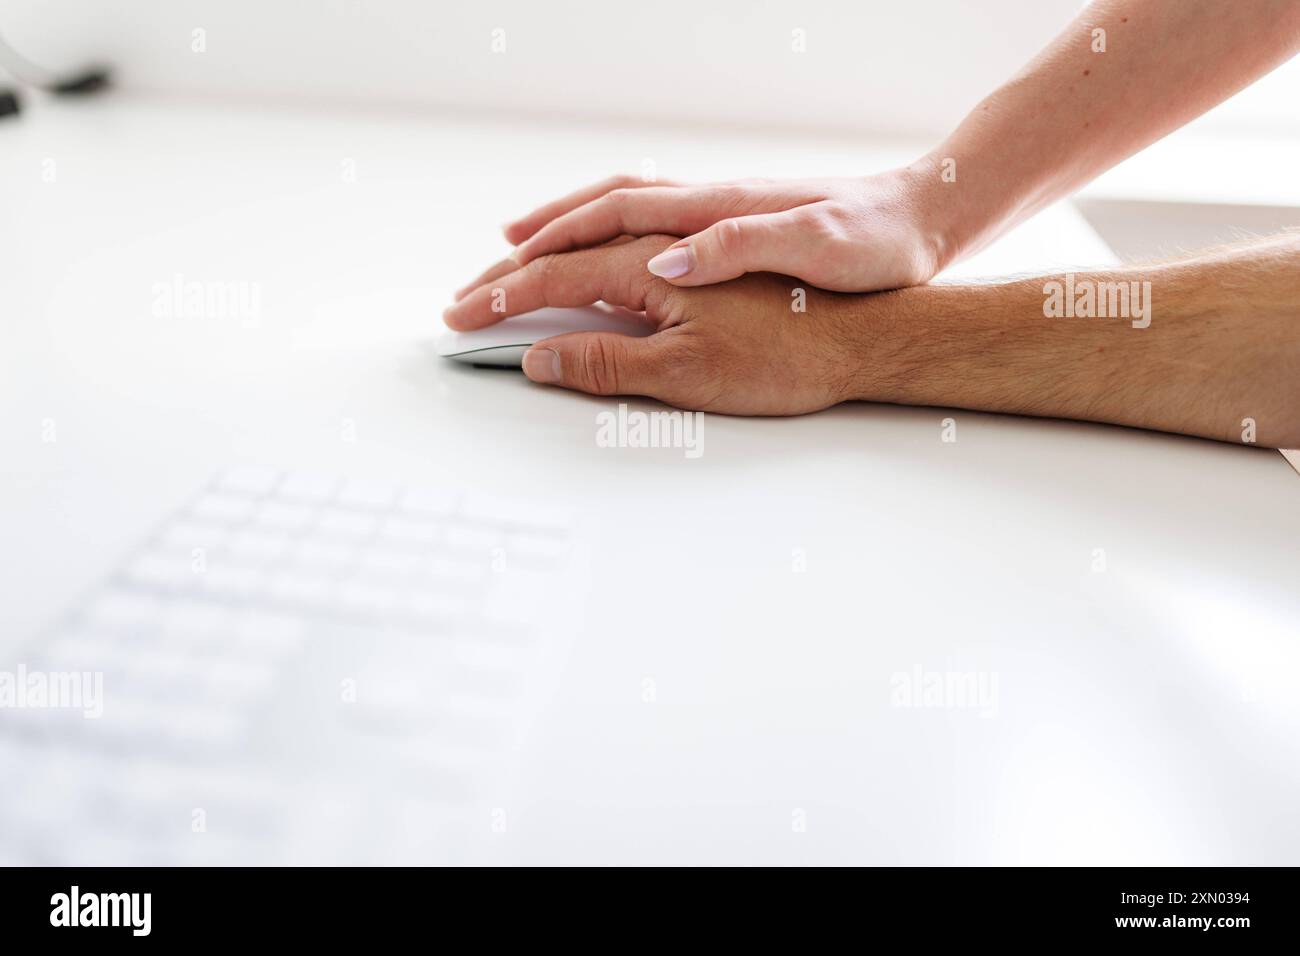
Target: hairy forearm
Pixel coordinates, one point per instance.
(1090, 100)
(1220, 357)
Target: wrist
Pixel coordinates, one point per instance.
(879, 334)
(935, 344)
(929, 193)
(958, 212)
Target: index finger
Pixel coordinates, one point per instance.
(521, 229)
(615, 274)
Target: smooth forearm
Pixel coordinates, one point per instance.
(1090, 100)
(1221, 352)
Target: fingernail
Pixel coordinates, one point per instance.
(672, 263)
(542, 365)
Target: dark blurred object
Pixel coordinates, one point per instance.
(89, 79)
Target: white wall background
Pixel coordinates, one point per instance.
(899, 66)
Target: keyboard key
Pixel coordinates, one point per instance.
(86, 651)
(219, 507)
(361, 598)
(323, 553)
(243, 676)
(368, 494)
(393, 565)
(354, 524)
(428, 501)
(454, 572)
(168, 665)
(187, 535)
(300, 588)
(307, 486)
(432, 606)
(117, 610)
(249, 479)
(193, 619)
(164, 570)
(280, 515)
(232, 581)
(206, 725)
(410, 531)
(269, 632)
(255, 547)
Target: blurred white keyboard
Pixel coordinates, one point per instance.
(287, 649)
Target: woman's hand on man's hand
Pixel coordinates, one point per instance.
(848, 235)
(761, 345)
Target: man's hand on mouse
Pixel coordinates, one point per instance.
(852, 235)
(1222, 352)
(761, 345)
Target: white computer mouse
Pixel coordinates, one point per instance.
(506, 342)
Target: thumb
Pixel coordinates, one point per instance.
(602, 363)
(727, 250)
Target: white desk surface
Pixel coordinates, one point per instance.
(1146, 714)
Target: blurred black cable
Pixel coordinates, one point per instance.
(89, 79)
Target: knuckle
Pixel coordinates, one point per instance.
(543, 267)
(729, 238)
(813, 222)
(599, 366)
(675, 303)
(734, 196)
(666, 303)
(633, 285)
(828, 232)
(617, 199)
(655, 293)
(833, 222)
(543, 272)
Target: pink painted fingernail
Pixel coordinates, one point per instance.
(672, 263)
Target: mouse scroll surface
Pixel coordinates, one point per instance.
(505, 343)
